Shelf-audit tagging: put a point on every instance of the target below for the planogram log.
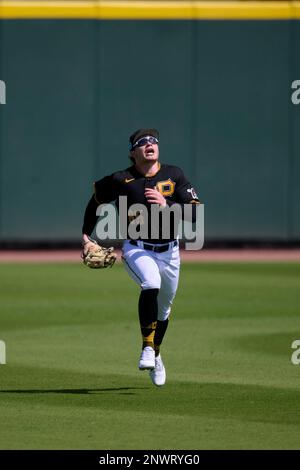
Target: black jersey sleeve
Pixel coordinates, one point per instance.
(184, 191)
(105, 191)
(90, 217)
(185, 194)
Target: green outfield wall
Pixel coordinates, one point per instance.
(218, 89)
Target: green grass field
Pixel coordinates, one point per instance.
(71, 380)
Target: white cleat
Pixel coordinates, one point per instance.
(147, 359)
(158, 374)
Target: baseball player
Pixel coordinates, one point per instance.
(153, 263)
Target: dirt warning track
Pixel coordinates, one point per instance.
(205, 255)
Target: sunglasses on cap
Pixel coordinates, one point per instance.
(145, 140)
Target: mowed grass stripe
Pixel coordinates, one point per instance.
(71, 378)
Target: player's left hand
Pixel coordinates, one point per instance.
(96, 256)
(153, 196)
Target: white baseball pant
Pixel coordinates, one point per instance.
(151, 270)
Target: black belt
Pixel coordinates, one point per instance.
(155, 248)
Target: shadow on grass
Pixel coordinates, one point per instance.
(79, 391)
(242, 401)
(275, 344)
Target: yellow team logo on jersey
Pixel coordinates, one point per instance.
(166, 188)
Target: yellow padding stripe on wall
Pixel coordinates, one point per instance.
(142, 10)
(48, 9)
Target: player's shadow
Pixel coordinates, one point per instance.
(80, 391)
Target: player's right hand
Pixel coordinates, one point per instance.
(153, 196)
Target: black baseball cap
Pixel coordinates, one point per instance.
(141, 133)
